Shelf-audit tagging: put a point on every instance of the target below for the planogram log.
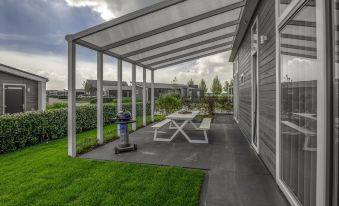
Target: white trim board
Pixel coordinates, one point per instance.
(256, 79)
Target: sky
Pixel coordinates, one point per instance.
(32, 38)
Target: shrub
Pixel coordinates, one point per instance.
(25, 129)
(57, 105)
(105, 100)
(114, 100)
(169, 102)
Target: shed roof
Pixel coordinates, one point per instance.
(22, 73)
(168, 33)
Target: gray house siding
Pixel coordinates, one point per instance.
(267, 84)
(31, 96)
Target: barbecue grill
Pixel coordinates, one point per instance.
(122, 119)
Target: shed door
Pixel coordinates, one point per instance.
(14, 99)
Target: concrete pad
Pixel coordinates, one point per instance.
(235, 175)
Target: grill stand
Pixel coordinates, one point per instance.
(124, 145)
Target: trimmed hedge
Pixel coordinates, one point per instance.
(29, 128)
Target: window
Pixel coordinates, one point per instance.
(299, 114)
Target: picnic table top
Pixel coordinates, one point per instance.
(178, 116)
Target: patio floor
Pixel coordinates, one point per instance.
(235, 175)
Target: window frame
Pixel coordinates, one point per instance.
(281, 20)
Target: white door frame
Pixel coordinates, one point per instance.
(321, 99)
(255, 80)
(3, 95)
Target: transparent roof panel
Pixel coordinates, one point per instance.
(181, 31)
(219, 50)
(155, 20)
(169, 32)
(195, 40)
(187, 51)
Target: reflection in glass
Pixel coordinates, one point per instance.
(299, 79)
(283, 5)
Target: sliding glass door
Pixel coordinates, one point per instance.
(301, 102)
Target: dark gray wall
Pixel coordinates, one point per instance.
(267, 84)
(31, 96)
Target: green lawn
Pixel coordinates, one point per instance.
(86, 140)
(44, 175)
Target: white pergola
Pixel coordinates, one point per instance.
(164, 34)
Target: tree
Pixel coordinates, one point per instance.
(203, 86)
(169, 102)
(190, 82)
(216, 86)
(226, 86)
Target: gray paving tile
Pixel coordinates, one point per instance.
(236, 176)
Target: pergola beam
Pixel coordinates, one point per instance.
(71, 130)
(175, 25)
(183, 38)
(108, 53)
(186, 48)
(193, 58)
(123, 19)
(190, 53)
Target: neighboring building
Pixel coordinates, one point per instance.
(63, 94)
(110, 89)
(60, 94)
(21, 91)
(186, 92)
(286, 94)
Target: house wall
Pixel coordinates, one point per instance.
(31, 96)
(267, 84)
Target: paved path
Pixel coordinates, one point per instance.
(235, 176)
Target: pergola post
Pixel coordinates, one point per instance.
(71, 100)
(134, 99)
(100, 116)
(144, 100)
(152, 95)
(119, 89)
(42, 96)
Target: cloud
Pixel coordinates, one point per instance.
(34, 41)
(99, 6)
(109, 9)
(42, 25)
(206, 68)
